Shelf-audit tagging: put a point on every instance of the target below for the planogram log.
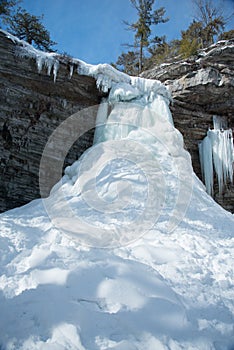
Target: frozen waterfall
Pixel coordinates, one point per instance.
(134, 126)
(137, 173)
(165, 281)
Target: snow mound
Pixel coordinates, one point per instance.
(165, 291)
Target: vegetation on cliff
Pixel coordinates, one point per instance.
(25, 25)
(208, 25)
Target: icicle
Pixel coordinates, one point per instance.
(39, 61)
(55, 69)
(101, 121)
(103, 82)
(49, 64)
(64, 103)
(107, 76)
(200, 149)
(230, 154)
(207, 165)
(219, 123)
(71, 71)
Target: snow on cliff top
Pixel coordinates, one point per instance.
(104, 74)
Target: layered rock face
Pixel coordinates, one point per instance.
(201, 87)
(32, 106)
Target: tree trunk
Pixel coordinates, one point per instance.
(141, 56)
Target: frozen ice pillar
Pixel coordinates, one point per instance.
(217, 155)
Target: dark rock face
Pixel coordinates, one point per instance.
(201, 87)
(32, 106)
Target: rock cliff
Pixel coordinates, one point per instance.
(32, 106)
(201, 87)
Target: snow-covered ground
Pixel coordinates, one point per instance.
(164, 291)
(128, 252)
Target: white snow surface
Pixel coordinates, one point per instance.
(163, 281)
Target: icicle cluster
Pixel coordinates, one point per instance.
(217, 155)
(43, 59)
(24, 49)
(105, 75)
(119, 84)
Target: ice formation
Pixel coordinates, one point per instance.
(134, 125)
(217, 155)
(166, 280)
(43, 59)
(105, 75)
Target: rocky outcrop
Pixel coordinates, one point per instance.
(32, 106)
(201, 87)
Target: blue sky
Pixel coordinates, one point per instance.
(92, 30)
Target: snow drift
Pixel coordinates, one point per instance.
(165, 277)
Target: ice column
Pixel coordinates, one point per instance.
(217, 155)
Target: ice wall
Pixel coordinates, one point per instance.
(217, 155)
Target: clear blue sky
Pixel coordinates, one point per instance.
(92, 30)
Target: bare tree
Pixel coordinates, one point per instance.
(211, 17)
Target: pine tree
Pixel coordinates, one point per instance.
(142, 27)
(29, 28)
(162, 52)
(227, 35)
(128, 63)
(6, 6)
(191, 39)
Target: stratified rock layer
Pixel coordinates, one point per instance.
(32, 106)
(201, 87)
